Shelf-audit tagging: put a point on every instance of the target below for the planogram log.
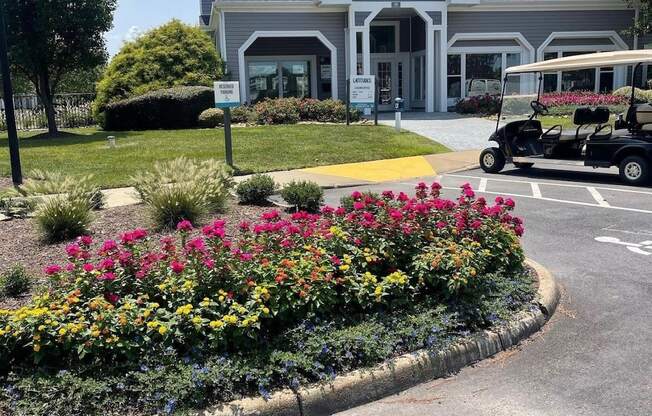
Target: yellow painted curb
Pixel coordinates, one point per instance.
(379, 170)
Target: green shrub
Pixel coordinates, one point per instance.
(174, 108)
(640, 96)
(63, 217)
(348, 200)
(15, 282)
(184, 189)
(211, 118)
(325, 111)
(305, 195)
(278, 111)
(484, 104)
(171, 55)
(244, 114)
(256, 189)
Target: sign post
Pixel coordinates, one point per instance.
(362, 92)
(227, 95)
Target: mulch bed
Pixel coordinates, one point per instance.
(20, 241)
(5, 183)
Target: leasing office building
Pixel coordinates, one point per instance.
(430, 53)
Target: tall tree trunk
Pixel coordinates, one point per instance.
(45, 94)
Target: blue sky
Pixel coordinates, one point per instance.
(135, 16)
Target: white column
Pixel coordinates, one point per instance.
(353, 53)
(366, 54)
(430, 68)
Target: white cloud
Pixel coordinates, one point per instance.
(133, 33)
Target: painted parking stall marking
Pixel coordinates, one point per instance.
(624, 199)
(644, 247)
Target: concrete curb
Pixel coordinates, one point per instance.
(364, 386)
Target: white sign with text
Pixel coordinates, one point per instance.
(362, 91)
(227, 94)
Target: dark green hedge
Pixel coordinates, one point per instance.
(174, 108)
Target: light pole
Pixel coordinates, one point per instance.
(14, 152)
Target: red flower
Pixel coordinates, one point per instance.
(177, 267)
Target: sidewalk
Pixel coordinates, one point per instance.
(346, 175)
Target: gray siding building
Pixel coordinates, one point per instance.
(431, 53)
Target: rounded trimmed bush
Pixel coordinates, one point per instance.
(244, 115)
(211, 118)
(278, 111)
(640, 96)
(256, 189)
(305, 195)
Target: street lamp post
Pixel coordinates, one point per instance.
(14, 152)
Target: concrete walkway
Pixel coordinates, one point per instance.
(346, 175)
(457, 132)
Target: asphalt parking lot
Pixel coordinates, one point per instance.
(593, 358)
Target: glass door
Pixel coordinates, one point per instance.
(296, 78)
(386, 84)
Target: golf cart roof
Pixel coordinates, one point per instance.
(586, 61)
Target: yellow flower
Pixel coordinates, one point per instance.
(41, 328)
(216, 324)
(147, 313)
(378, 291)
(95, 333)
(344, 267)
(184, 310)
(196, 320)
(230, 319)
(37, 347)
(162, 330)
(266, 311)
(63, 331)
(153, 324)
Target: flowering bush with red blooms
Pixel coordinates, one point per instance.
(200, 290)
(576, 98)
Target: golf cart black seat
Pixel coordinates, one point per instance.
(586, 120)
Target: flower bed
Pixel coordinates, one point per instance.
(216, 316)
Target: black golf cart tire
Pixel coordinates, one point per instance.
(495, 155)
(634, 162)
(521, 165)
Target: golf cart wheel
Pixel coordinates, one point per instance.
(635, 170)
(521, 165)
(492, 160)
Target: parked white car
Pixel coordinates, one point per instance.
(480, 87)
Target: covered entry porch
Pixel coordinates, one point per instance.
(404, 45)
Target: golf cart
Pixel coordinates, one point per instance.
(592, 142)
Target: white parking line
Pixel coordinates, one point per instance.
(536, 191)
(596, 195)
(483, 185)
(537, 194)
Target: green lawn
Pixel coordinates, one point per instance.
(255, 149)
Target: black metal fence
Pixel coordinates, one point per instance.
(72, 110)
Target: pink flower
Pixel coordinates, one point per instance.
(196, 245)
(208, 262)
(476, 224)
(356, 195)
(87, 267)
(108, 276)
(184, 226)
(358, 205)
(388, 194)
(111, 298)
(73, 250)
(106, 264)
(270, 215)
(440, 224)
(108, 246)
(395, 214)
(500, 200)
(52, 269)
(244, 226)
(510, 202)
(177, 267)
(85, 240)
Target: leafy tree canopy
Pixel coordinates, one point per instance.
(51, 38)
(174, 54)
(643, 25)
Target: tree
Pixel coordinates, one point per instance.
(643, 25)
(51, 38)
(174, 54)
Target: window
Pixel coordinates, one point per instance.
(399, 77)
(419, 68)
(595, 79)
(582, 80)
(454, 76)
(263, 80)
(382, 38)
(513, 81)
(473, 74)
(280, 78)
(550, 83)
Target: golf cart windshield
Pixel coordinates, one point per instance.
(515, 106)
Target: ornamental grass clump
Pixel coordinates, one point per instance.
(184, 189)
(15, 282)
(199, 292)
(63, 216)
